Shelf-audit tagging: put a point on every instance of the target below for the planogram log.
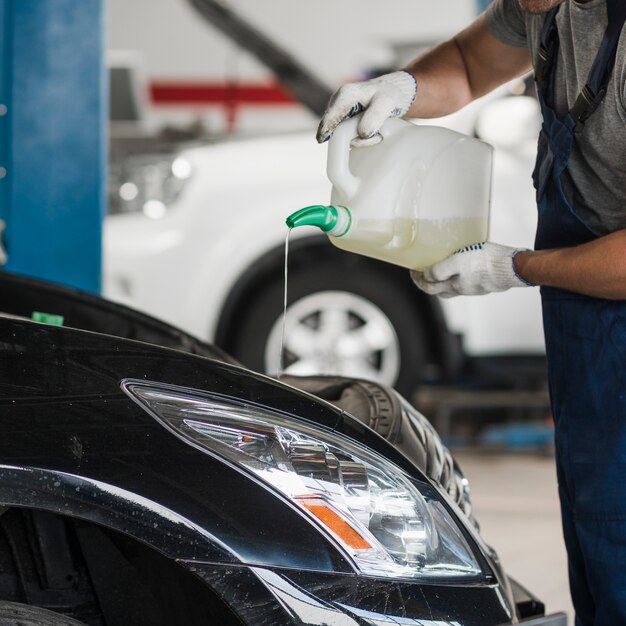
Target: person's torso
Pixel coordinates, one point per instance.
(595, 179)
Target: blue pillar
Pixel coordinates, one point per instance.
(53, 105)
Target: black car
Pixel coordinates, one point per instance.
(147, 478)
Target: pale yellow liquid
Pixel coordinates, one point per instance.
(414, 244)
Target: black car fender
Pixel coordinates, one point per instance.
(113, 507)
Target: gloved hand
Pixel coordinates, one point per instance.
(472, 271)
(389, 95)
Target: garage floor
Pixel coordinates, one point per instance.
(516, 503)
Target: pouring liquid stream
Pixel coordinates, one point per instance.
(281, 357)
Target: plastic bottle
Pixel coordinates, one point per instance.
(413, 199)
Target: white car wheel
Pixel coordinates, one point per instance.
(335, 332)
(347, 315)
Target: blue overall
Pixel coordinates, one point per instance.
(586, 350)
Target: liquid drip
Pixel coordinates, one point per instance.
(281, 357)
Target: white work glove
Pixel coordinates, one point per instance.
(472, 271)
(390, 95)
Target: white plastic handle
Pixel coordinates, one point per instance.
(338, 167)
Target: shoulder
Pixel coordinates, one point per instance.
(506, 20)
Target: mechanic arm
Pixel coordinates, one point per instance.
(440, 82)
(464, 68)
(597, 268)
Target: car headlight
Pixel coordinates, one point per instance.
(389, 523)
(147, 183)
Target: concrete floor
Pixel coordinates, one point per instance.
(516, 504)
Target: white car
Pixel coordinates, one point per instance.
(201, 244)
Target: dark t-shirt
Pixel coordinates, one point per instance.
(595, 180)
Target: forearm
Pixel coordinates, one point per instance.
(442, 82)
(462, 69)
(597, 268)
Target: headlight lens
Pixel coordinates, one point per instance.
(147, 183)
(390, 524)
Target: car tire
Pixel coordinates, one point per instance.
(14, 614)
(349, 315)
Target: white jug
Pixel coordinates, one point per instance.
(413, 199)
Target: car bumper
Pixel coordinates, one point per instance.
(556, 619)
(262, 596)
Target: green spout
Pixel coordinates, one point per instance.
(324, 217)
(332, 220)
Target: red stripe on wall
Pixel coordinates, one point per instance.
(175, 92)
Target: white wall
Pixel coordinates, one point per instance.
(336, 39)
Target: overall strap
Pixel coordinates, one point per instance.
(595, 88)
(547, 48)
